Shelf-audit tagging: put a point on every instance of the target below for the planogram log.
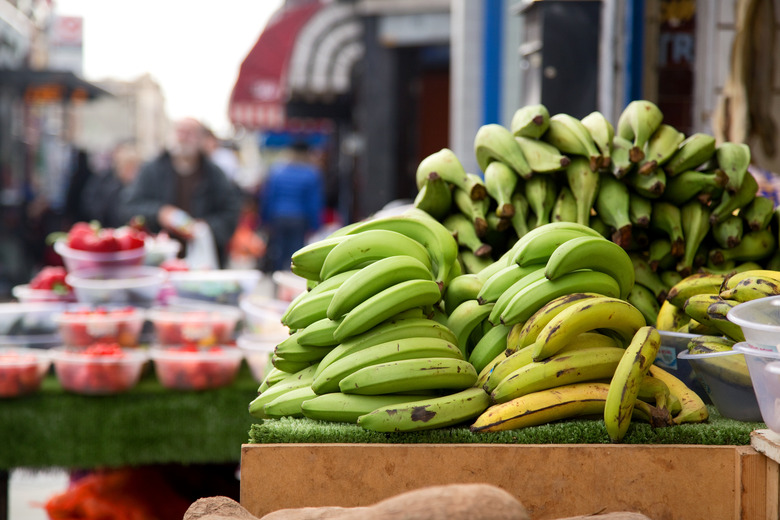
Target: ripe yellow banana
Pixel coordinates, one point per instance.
(693, 408)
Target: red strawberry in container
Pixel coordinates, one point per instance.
(129, 238)
(46, 286)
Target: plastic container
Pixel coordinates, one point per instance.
(759, 320)
(159, 249)
(769, 396)
(137, 286)
(288, 285)
(668, 358)
(263, 315)
(24, 294)
(81, 326)
(258, 350)
(37, 341)
(188, 368)
(90, 372)
(24, 319)
(727, 380)
(198, 324)
(757, 359)
(225, 286)
(75, 259)
(22, 370)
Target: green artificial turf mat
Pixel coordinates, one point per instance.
(718, 430)
(147, 425)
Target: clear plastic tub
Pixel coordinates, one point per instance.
(137, 286)
(258, 350)
(668, 358)
(22, 370)
(759, 320)
(263, 315)
(225, 286)
(757, 359)
(288, 285)
(81, 326)
(38, 341)
(17, 319)
(82, 371)
(197, 324)
(24, 294)
(727, 380)
(75, 259)
(183, 368)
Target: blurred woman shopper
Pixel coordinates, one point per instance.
(291, 205)
(182, 187)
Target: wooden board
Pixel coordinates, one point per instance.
(553, 481)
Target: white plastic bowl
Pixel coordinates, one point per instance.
(734, 396)
(202, 369)
(22, 370)
(82, 325)
(288, 285)
(224, 286)
(81, 373)
(258, 350)
(75, 259)
(263, 315)
(29, 318)
(759, 320)
(757, 359)
(138, 286)
(200, 324)
(24, 294)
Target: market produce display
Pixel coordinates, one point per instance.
(535, 291)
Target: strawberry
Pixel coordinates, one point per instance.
(129, 238)
(81, 236)
(105, 242)
(51, 278)
(175, 264)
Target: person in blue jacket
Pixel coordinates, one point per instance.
(291, 205)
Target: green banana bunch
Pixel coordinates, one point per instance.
(612, 206)
(661, 146)
(435, 196)
(347, 408)
(695, 218)
(307, 261)
(603, 133)
(541, 192)
(730, 202)
(410, 375)
(754, 246)
(447, 166)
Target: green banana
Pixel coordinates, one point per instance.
(650, 185)
(691, 183)
(660, 148)
(491, 344)
(301, 379)
(595, 254)
(519, 219)
(328, 379)
(602, 132)
(754, 246)
(494, 142)
(694, 151)
(447, 166)
(346, 408)
(318, 334)
(435, 196)
(533, 297)
(373, 278)
(659, 254)
(758, 214)
(565, 207)
(428, 413)
(307, 261)
(644, 275)
(570, 136)
(461, 288)
(410, 375)
(612, 206)
(637, 123)
(640, 210)
(733, 159)
(503, 300)
(584, 184)
(730, 202)
(464, 319)
(541, 192)
(291, 350)
(542, 157)
(500, 182)
(695, 218)
(667, 218)
(502, 280)
(621, 163)
(475, 210)
(288, 366)
(643, 299)
(466, 235)
(289, 403)
(308, 309)
(530, 121)
(624, 386)
(385, 304)
(473, 264)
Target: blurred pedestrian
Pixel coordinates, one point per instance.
(102, 197)
(182, 187)
(78, 177)
(291, 205)
(221, 155)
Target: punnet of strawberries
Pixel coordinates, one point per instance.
(92, 237)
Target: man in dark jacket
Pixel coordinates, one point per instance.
(182, 186)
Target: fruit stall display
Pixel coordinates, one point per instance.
(538, 291)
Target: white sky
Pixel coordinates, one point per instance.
(192, 48)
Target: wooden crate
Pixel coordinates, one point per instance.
(664, 482)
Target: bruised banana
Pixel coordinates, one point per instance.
(346, 408)
(560, 369)
(698, 305)
(427, 413)
(593, 313)
(411, 375)
(693, 408)
(697, 283)
(624, 386)
(670, 317)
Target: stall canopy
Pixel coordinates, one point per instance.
(49, 85)
(304, 55)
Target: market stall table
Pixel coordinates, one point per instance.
(147, 425)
